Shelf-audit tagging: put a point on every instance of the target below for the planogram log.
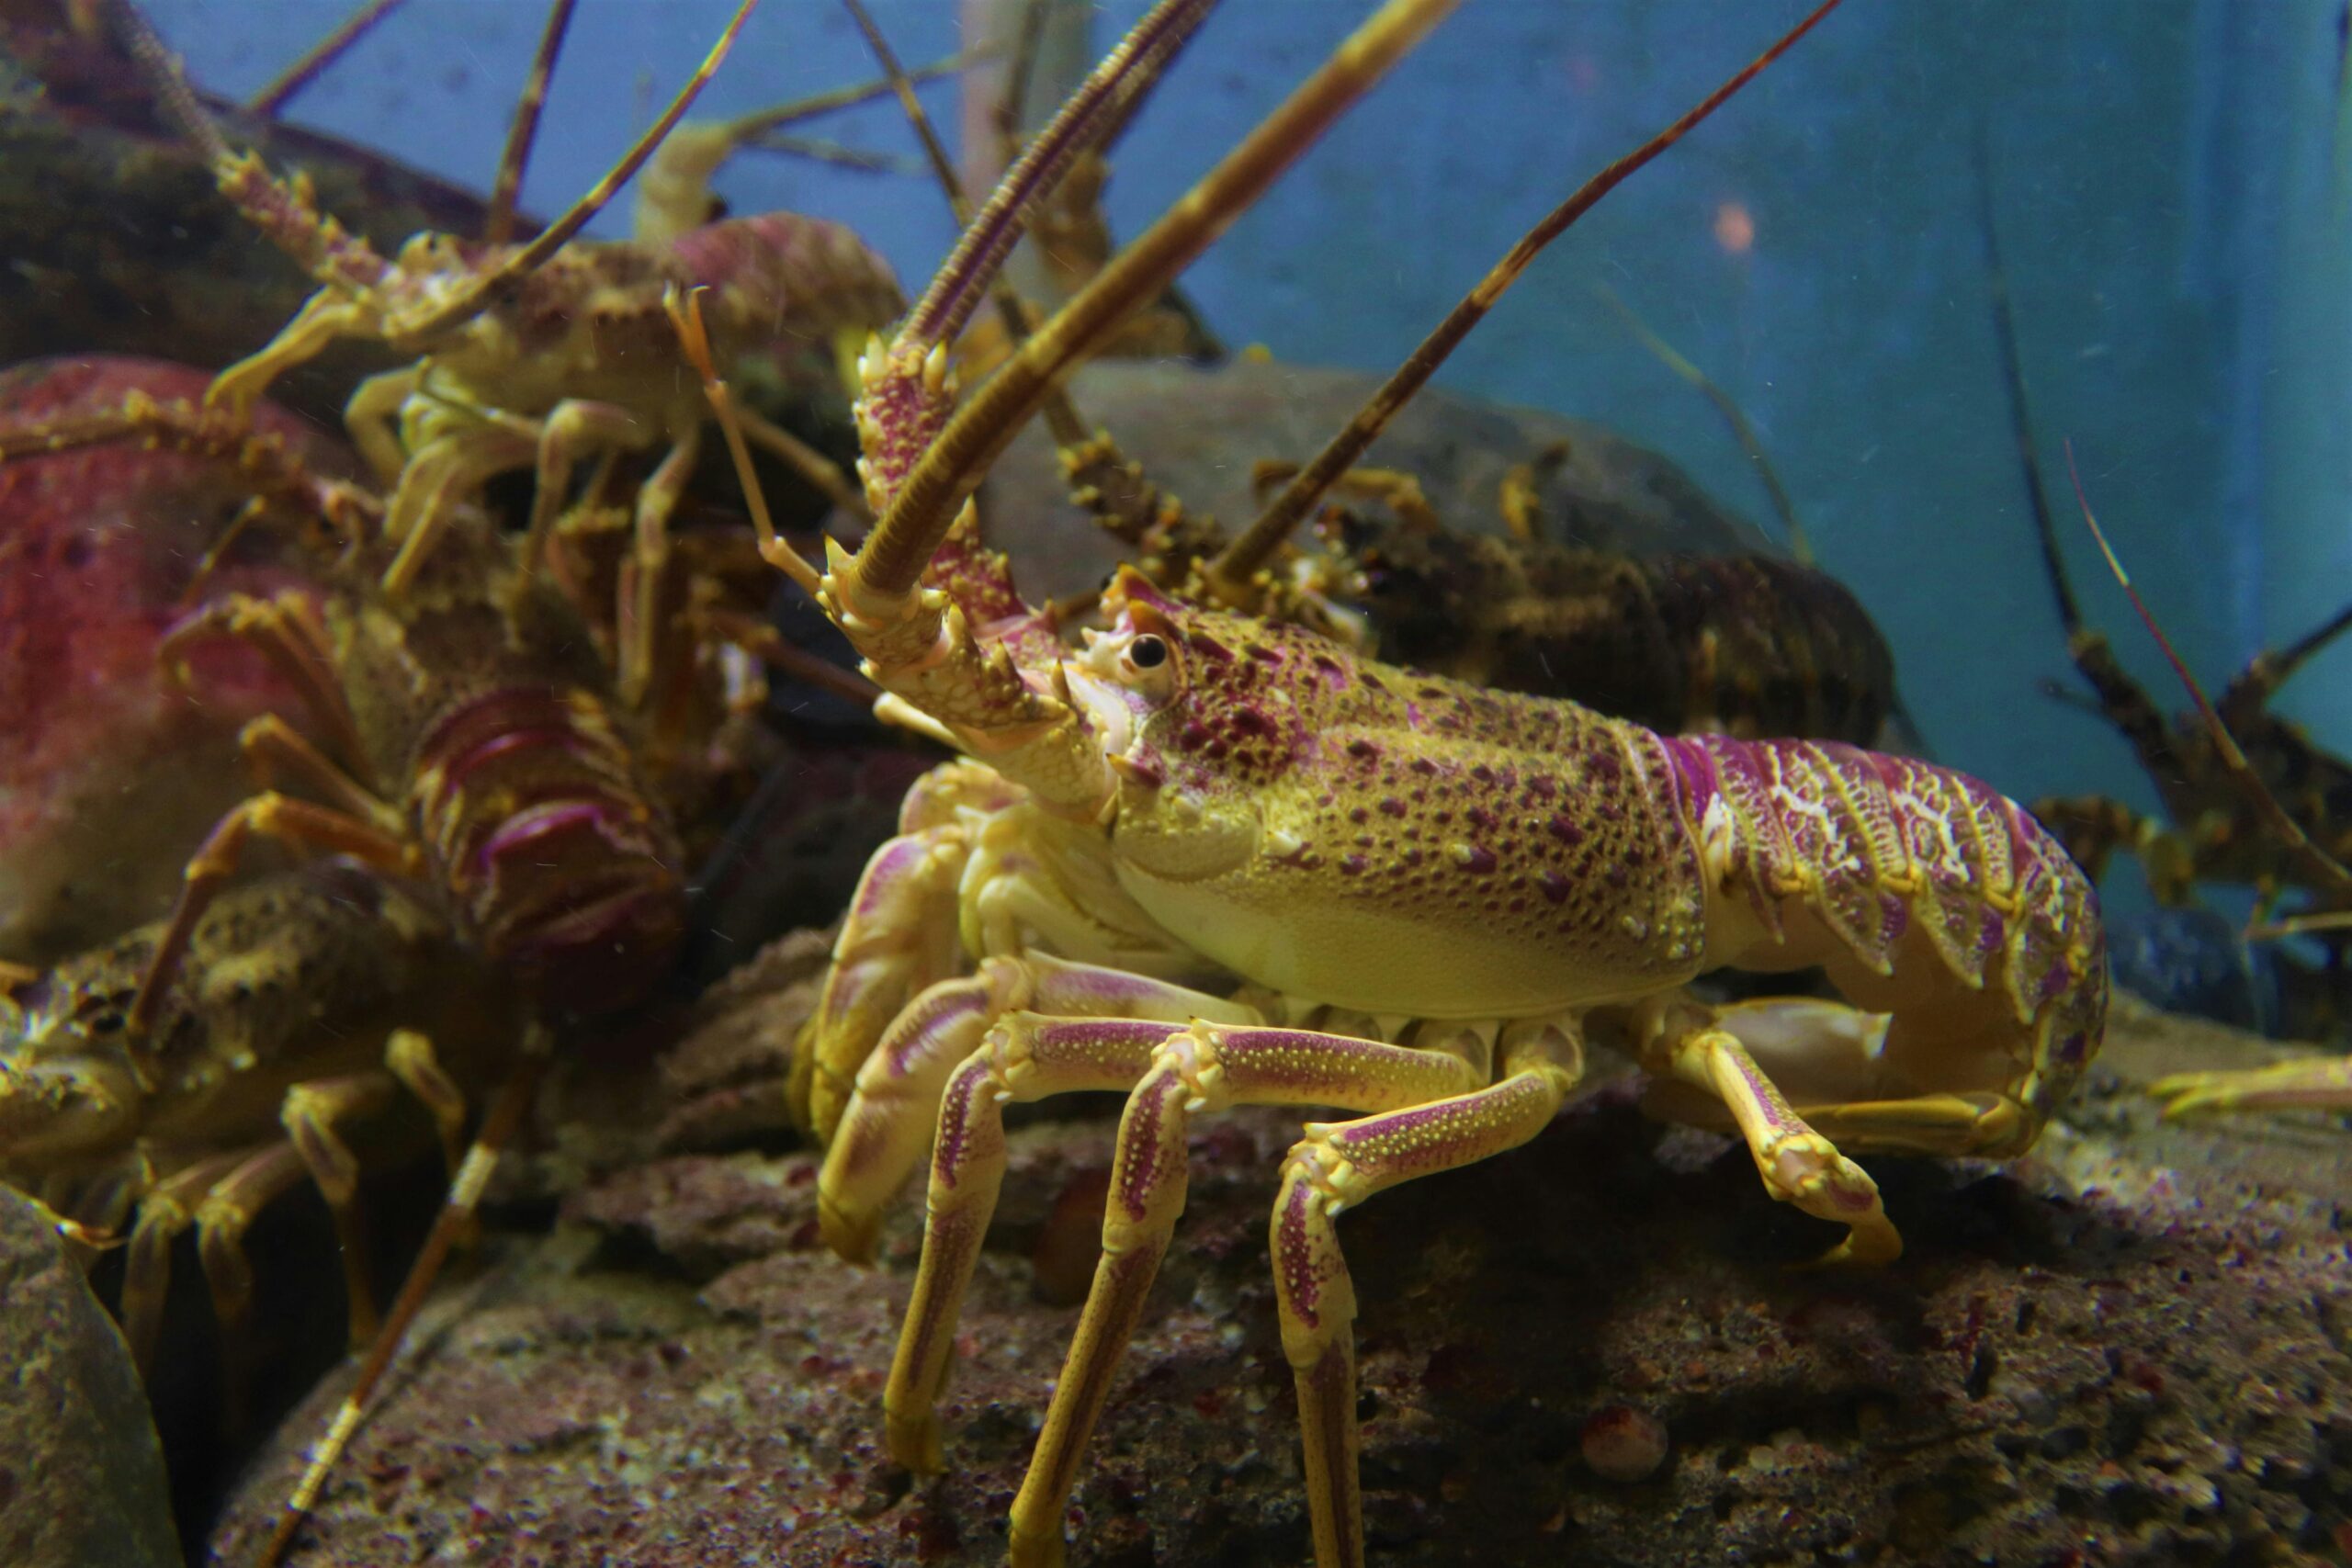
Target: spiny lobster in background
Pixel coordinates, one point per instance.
(2251, 800)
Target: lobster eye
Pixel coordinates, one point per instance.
(1148, 653)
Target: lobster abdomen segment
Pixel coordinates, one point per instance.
(1859, 861)
(563, 867)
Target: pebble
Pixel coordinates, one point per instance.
(1621, 1443)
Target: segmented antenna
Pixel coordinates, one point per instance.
(516, 154)
(476, 296)
(272, 98)
(1792, 528)
(923, 508)
(1136, 61)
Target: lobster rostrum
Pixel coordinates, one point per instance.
(1208, 860)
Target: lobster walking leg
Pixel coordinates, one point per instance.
(1830, 1061)
(896, 1107)
(455, 1221)
(165, 1214)
(1798, 1164)
(1202, 1068)
(573, 427)
(1025, 1057)
(311, 1113)
(1340, 1165)
(372, 418)
(887, 951)
(2321, 1083)
(273, 816)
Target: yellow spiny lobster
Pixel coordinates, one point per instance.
(1406, 897)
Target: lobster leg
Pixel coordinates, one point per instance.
(165, 1212)
(576, 425)
(1798, 1164)
(2321, 1083)
(372, 418)
(897, 938)
(274, 816)
(1024, 1058)
(327, 315)
(287, 632)
(896, 1107)
(434, 484)
(228, 1210)
(1829, 1059)
(1200, 1067)
(1340, 1165)
(310, 1113)
(505, 1114)
(408, 1056)
(649, 562)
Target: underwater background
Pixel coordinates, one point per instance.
(2129, 1343)
(2170, 178)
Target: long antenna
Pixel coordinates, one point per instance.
(500, 227)
(924, 507)
(1229, 575)
(1792, 528)
(270, 100)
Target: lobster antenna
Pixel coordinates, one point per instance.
(2329, 870)
(894, 554)
(1140, 56)
(1060, 415)
(903, 86)
(761, 122)
(1229, 574)
(500, 227)
(2005, 336)
(164, 78)
(268, 103)
(476, 296)
(686, 320)
(1792, 528)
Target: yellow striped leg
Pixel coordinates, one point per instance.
(893, 1113)
(1025, 1057)
(1338, 1165)
(1201, 1067)
(2323, 1083)
(1798, 1164)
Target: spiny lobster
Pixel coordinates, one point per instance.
(1405, 895)
(534, 355)
(302, 1004)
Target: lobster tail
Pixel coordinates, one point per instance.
(563, 867)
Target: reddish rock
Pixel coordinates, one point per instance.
(97, 547)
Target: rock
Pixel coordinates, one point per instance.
(1198, 432)
(2128, 1348)
(1624, 1444)
(81, 1472)
(109, 774)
